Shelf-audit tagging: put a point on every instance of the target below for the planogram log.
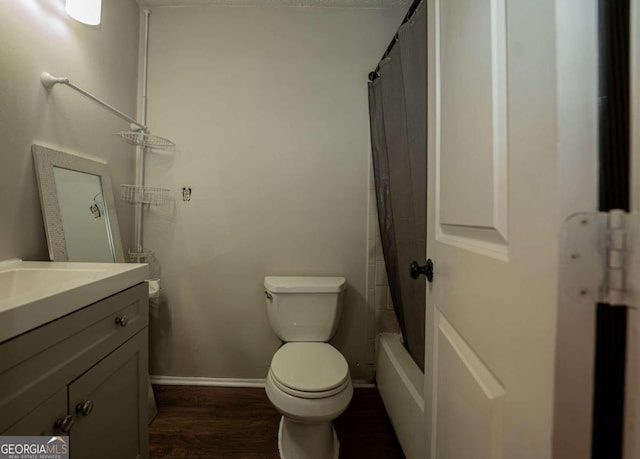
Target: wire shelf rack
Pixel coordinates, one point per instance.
(147, 140)
(144, 194)
(141, 256)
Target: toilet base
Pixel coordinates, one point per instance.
(307, 441)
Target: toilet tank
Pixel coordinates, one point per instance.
(304, 308)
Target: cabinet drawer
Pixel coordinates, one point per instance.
(36, 364)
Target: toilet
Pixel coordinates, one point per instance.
(308, 380)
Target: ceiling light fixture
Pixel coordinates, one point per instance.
(85, 11)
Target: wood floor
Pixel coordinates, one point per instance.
(224, 422)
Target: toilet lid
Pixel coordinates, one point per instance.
(309, 367)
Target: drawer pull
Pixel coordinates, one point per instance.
(122, 320)
(64, 424)
(85, 408)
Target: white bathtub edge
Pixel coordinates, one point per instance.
(401, 385)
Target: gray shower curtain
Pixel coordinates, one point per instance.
(397, 110)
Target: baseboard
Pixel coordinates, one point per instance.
(201, 381)
(362, 384)
(227, 382)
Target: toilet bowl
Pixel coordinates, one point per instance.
(308, 381)
(309, 393)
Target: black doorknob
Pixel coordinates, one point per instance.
(427, 270)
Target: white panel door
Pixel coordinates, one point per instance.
(493, 228)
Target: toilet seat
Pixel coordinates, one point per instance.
(309, 370)
(306, 394)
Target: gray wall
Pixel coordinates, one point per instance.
(37, 36)
(268, 107)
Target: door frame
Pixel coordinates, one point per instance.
(632, 384)
(577, 92)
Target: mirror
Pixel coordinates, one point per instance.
(78, 208)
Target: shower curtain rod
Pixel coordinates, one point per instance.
(412, 9)
(48, 81)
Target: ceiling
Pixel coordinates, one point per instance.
(293, 3)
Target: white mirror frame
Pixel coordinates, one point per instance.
(45, 160)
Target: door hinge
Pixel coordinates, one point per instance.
(600, 257)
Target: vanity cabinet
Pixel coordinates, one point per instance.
(83, 375)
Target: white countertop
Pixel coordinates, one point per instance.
(33, 293)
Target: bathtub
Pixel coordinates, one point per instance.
(401, 385)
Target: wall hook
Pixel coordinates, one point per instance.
(95, 211)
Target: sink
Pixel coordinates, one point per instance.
(18, 281)
(33, 293)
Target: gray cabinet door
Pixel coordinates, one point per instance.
(113, 395)
(42, 420)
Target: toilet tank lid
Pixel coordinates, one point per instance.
(304, 284)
